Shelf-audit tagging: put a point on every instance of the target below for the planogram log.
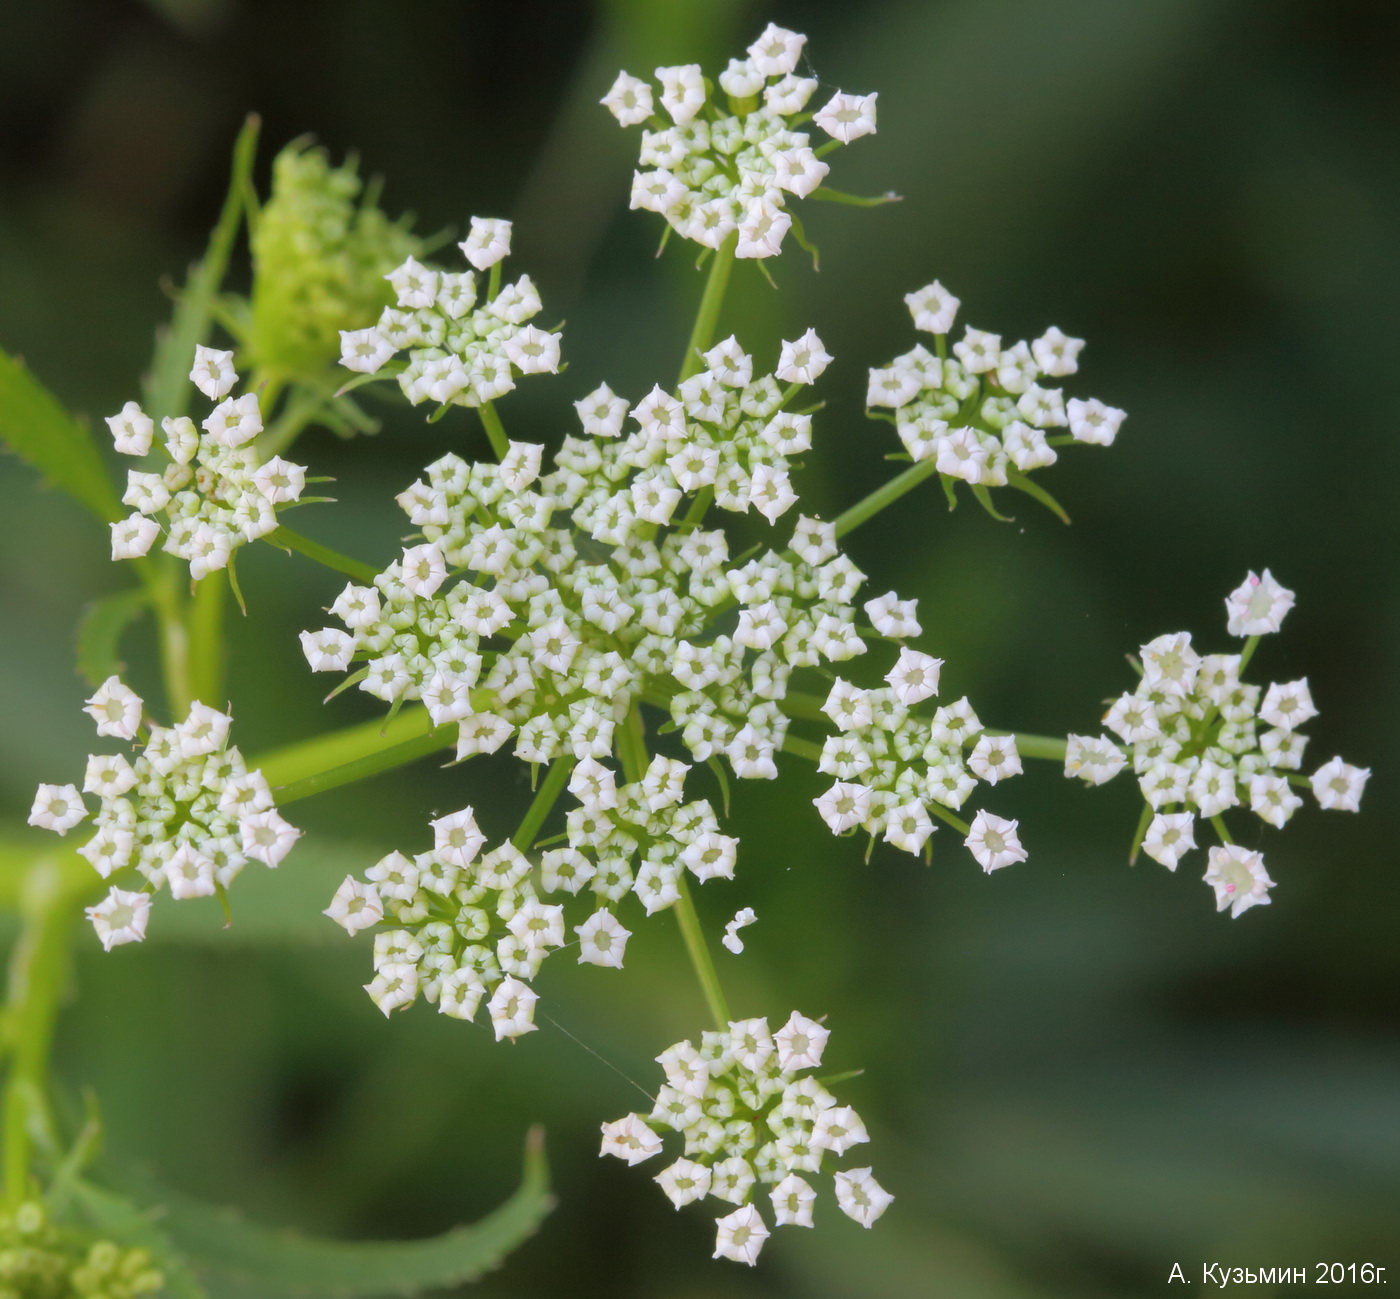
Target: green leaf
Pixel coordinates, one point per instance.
(1034, 490)
(238, 1258)
(40, 432)
(100, 632)
(984, 499)
(854, 200)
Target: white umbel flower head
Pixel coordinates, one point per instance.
(847, 117)
(1239, 879)
(1337, 785)
(58, 808)
(488, 242)
(630, 1139)
(861, 1197)
(993, 841)
(120, 917)
(1257, 606)
(116, 709)
(740, 1235)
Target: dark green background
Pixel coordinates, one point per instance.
(1077, 1073)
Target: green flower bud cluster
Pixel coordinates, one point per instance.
(319, 261)
(39, 1260)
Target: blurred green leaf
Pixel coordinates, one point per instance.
(40, 432)
(100, 632)
(240, 1258)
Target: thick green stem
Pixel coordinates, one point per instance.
(545, 798)
(632, 750)
(1050, 747)
(286, 539)
(870, 506)
(38, 968)
(300, 770)
(707, 317)
(1219, 824)
(169, 603)
(495, 430)
(206, 637)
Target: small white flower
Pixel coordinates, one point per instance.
(762, 230)
(1257, 606)
(861, 1197)
(914, 677)
(800, 1043)
(415, 285)
(908, 826)
(731, 938)
(602, 940)
(1337, 785)
(802, 361)
(799, 171)
(58, 808)
(189, 873)
(994, 758)
(120, 917)
(116, 709)
(424, 569)
(328, 650)
(844, 806)
(1288, 705)
(234, 421)
(395, 985)
(534, 351)
(741, 79)
(978, 350)
(1093, 759)
(481, 733)
(892, 386)
(740, 1235)
(108, 776)
(993, 842)
(267, 836)
(1056, 353)
(682, 91)
(629, 1138)
(132, 430)
(684, 1181)
(602, 412)
(847, 117)
(629, 100)
(213, 372)
(1092, 421)
(204, 730)
(460, 993)
(710, 855)
(1239, 879)
(456, 839)
(776, 52)
(837, 1129)
(792, 1201)
(1271, 799)
(488, 242)
(1169, 664)
(933, 308)
(355, 906)
(894, 617)
(512, 1009)
(279, 480)
(364, 350)
(133, 537)
(1169, 837)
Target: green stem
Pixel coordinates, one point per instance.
(543, 804)
(286, 539)
(495, 430)
(707, 317)
(38, 969)
(1050, 747)
(881, 497)
(206, 639)
(169, 603)
(1247, 653)
(1140, 833)
(1219, 824)
(943, 814)
(632, 750)
(801, 748)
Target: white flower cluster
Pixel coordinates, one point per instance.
(891, 764)
(750, 1114)
(983, 414)
(713, 171)
(475, 925)
(552, 635)
(185, 812)
(459, 353)
(1202, 741)
(217, 493)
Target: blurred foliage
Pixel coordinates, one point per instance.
(1076, 1074)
